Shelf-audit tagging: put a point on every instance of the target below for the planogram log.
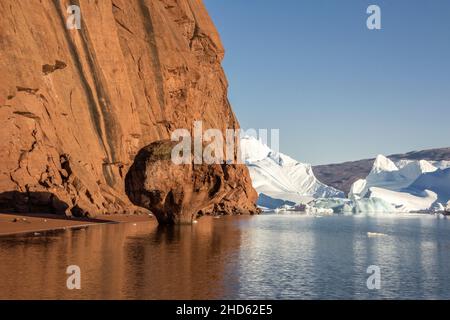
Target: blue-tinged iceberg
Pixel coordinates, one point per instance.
(372, 205)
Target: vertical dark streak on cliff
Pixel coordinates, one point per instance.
(104, 101)
(156, 63)
(95, 116)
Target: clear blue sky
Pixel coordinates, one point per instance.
(336, 90)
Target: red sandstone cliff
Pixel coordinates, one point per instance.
(76, 106)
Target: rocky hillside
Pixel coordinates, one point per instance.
(76, 106)
(342, 175)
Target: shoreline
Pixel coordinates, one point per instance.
(12, 224)
(21, 224)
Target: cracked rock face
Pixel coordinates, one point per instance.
(76, 106)
(181, 193)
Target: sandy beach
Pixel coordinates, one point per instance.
(11, 223)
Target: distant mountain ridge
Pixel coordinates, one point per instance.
(342, 175)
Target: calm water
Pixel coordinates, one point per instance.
(269, 256)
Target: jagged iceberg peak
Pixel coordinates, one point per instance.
(383, 164)
(254, 150)
(412, 169)
(424, 165)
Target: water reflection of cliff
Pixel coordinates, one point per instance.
(141, 261)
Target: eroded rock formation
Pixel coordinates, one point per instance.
(180, 193)
(76, 106)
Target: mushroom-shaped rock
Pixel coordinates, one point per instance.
(180, 193)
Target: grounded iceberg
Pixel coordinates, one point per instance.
(401, 186)
(408, 185)
(276, 176)
(374, 205)
(266, 202)
(406, 201)
(388, 175)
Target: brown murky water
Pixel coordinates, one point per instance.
(270, 256)
(121, 261)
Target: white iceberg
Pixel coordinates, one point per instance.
(404, 201)
(388, 175)
(373, 205)
(365, 205)
(408, 185)
(401, 186)
(278, 176)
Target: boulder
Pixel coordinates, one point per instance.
(181, 193)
